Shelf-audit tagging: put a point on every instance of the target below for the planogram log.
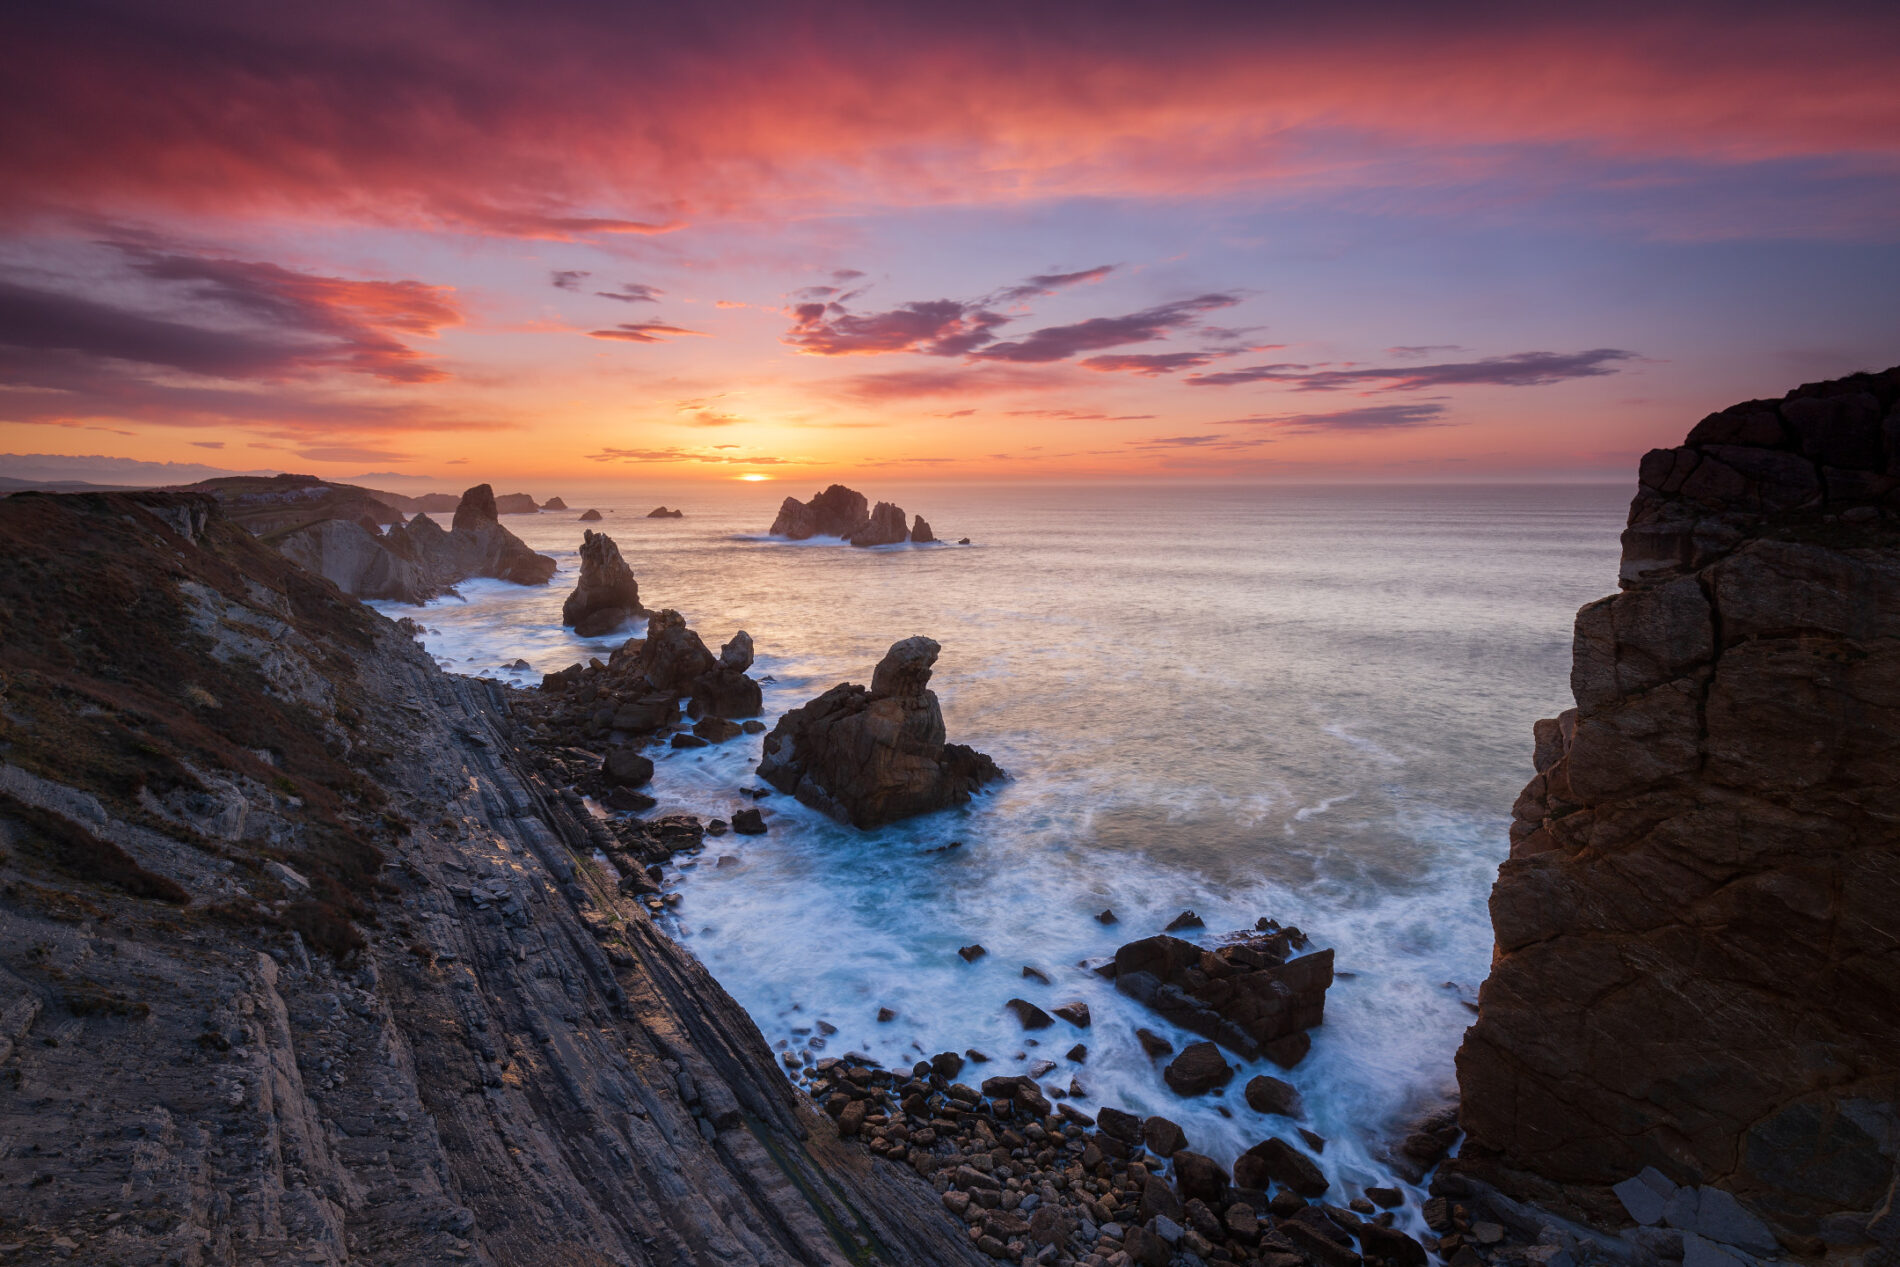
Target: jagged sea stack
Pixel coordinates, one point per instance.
(607, 597)
(1698, 929)
(836, 512)
(870, 757)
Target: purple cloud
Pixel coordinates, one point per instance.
(642, 332)
(1370, 418)
(1521, 369)
(1149, 365)
(1058, 343)
(633, 293)
(1049, 283)
(936, 327)
(568, 278)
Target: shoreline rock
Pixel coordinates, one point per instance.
(871, 757)
(606, 597)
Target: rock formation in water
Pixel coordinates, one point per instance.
(1249, 994)
(920, 531)
(590, 516)
(870, 757)
(416, 561)
(637, 695)
(553, 503)
(725, 690)
(606, 597)
(1696, 967)
(302, 960)
(661, 512)
(844, 513)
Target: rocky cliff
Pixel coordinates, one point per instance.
(1698, 930)
(302, 961)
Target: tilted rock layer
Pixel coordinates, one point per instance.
(870, 757)
(300, 961)
(1698, 929)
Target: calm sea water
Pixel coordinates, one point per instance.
(1313, 704)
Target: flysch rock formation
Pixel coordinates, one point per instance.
(416, 561)
(606, 597)
(845, 513)
(300, 961)
(1696, 968)
(870, 757)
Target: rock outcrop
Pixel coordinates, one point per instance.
(920, 531)
(516, 504)
(661, 512)
(1249, 995)
(553, 503)
(1696, 929)
(398, 1012)
(845, 513)
(590, 516)
(416, 561)
(636, 696)
(870, 757)
(606, 597)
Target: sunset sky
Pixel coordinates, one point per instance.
(582, 241)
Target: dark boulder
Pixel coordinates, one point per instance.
(606, 597)
(1273, 1095)
(884, 528)
(870, 757)
(623, 767)
(1031, 1016)
(920, 531)
(1242, 995)
(1275, 1160)
(1197, 1070)
(590, 516)
(1200, 1178)
(749, 822)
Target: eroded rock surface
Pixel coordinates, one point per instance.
(870, 757)
(396, 1012)
(1696, 929)
(1247, 995)
(606, 597)
(847, 514)
(416, 561)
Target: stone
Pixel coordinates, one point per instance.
(1266, 1094)
(553, 503)
(871, 757)
(1720, 1217)
(1162, 1137)
(1244, 995)
(1700, 1252)
(749, 822)
(1154, 1044)
(1385, 1198)
(1643, 1202)
(1273, 1159)
(1075, 1013)
(946, 1064)
(1287, 1052)
(1107, 917)
(972, 953)
(1035, 974)
(1031, 1016)
(661, 512)
(737, 654)
(1692, 865)
(688, 740)
(1390, 1245)
(1186, 919)
(716, 729)
(1197, 1070)
(590, 516)
(606, 597)
(885, 527)
(920, 532)
(1117, 1124)
(836, 512)
(624, 767)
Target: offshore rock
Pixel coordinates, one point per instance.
(870, 757)
(606, 597)
(553, 503)
(417, 561)
(443, 1031)
(1694, 967)
(661, 512)
(836, 512)
(1245, 995)
(884, 528)
(920, 531)
(590, 516)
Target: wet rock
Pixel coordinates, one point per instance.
(1186, 919)
(606, 597)
(1031, 1016)
(1075, 1013)
(1389, 1245)
(963, 541)
(1117, 1124)
(1267, 1094)
(737, 654)
(946, 1064)
(1107, 917)
(628, 801)
(920, 531)
(1197, 1070)
(661, 512)
(972, 953)
(1385, 1198)
(749, 822)
(1077, 1053)
(870, 757)
(1275, 1160)
(1287, 1052)
(716, 729)
(1243, 995)
(1162, 1137)
(1154, 1044)
(590, 516)
(1036, 975)
(1200, 1178)
(687, 740)
(669, 659)
(625, 768)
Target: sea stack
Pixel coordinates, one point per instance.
(1695, 967)
(590, 516)
(661, 512)
(885, 527)
(553, 503)
(836, 512)
(870, 757)
(607, 597)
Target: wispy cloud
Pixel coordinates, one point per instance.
(643, 332)
(684, 455)
(1521, 369)
(1148, 365)
(1049, 283)
(935, 327)
(633, 293)
(568, 278)
(1058, 343)
(1369, 418)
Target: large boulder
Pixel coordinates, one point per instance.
(885, 527)
(836, 512)
(669, 659)
(1244, 995)
(1695, 964)
(870, 757)
(606, 597)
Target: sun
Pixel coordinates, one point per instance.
(754, 478)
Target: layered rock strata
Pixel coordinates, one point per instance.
(606, 597)
(301, 961)
(870, 757)
(1696, 967)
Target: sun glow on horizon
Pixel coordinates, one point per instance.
(754, 478)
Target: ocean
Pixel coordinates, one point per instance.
(1312, 704)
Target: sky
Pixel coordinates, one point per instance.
(583, 240)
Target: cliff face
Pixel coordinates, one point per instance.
(1698, 929)
(300, 960)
